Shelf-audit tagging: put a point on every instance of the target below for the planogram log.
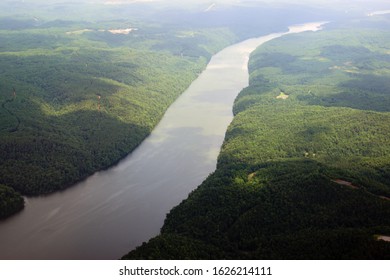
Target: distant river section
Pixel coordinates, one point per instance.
(113, 211)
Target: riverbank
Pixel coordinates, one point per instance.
(272, 195)
(128, 203)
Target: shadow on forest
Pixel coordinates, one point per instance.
(340, 53)
(286, 209)
(364, 92)
(58, 151)
(272, 59)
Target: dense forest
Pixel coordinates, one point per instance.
(10, 202)
(304, 172)
(77, 96)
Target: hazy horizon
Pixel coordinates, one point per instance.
(87, 9)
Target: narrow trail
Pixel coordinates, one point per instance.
(352, 186)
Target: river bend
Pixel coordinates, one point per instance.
(113, 211)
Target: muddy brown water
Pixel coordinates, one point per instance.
(113, 211)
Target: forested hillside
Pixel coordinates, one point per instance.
(10, 202)
(304, 172)
(77, 95)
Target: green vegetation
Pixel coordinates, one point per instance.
(67, 111)
(77, 96)
(76, 113)
(10, 202)
(303, 177)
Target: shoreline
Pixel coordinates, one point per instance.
(121, 191)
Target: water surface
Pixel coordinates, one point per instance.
(115, 210)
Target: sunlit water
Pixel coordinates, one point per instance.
(116, 210)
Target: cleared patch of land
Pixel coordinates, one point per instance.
(345, 183)
(125, 31)
(384, 238)
(78, 32)
(282, 95)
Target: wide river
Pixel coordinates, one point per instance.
(113, 211)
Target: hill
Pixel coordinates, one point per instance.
(304, 169)
(77, 96)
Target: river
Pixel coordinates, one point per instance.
(115, 210)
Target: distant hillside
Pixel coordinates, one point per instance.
(304, 172)
(77, 96)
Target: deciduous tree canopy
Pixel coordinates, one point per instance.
(305, 176)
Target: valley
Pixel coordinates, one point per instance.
(112, 113)
(303, 177)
